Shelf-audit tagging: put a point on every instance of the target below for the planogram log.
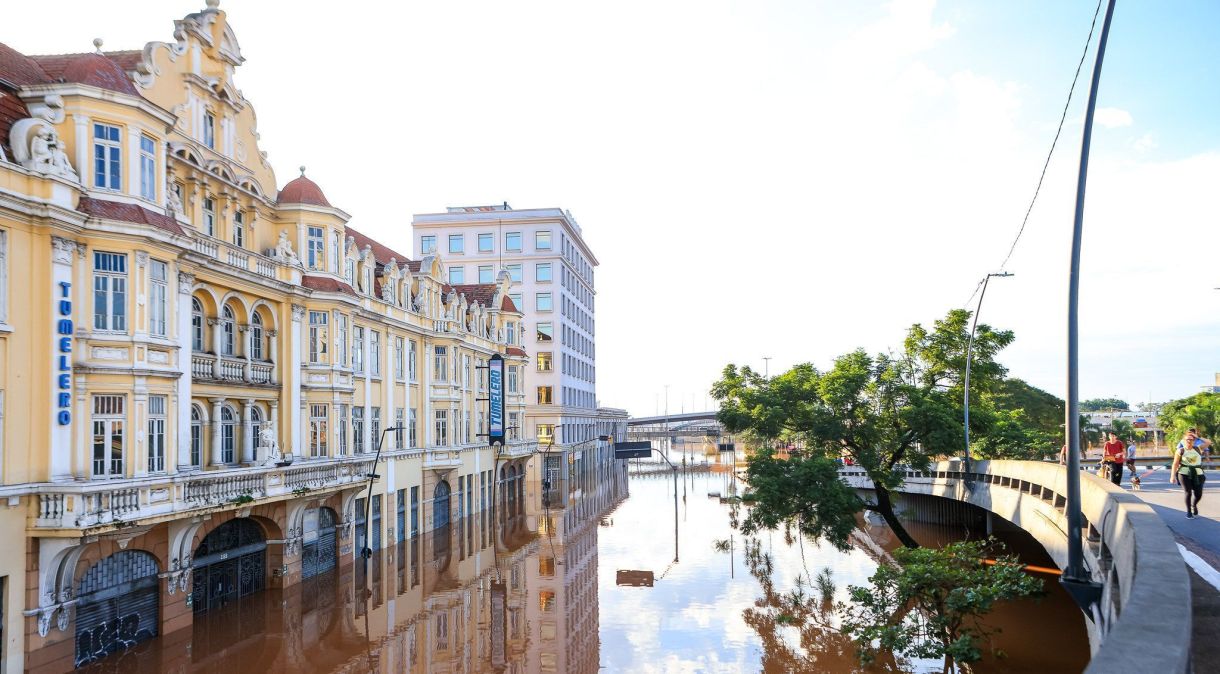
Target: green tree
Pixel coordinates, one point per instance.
(1103, 405)
(931, 603)
(1124, 429)
(884, 412)
(1028, 423)
(1201, 411)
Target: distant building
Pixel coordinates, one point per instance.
(552, 282)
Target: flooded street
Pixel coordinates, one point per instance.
(583, 582)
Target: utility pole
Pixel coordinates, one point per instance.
(767, 367)
(1075, 577)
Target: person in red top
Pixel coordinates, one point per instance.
(1113, 455)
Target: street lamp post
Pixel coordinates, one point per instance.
(969, 357)
(1075, 577)
(367, 551)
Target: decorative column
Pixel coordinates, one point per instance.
(183, 306)
(214, 323)
(84, 146)
(273, 349)
(217, 440)
(274, 422)
(425, 394)
(247, 428)
(59, 416)
(296, 368)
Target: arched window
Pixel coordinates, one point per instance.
(440, 505)
(256, 337)
(196, 436)
(196, 325)
(256, 423)
(228, 332)
(228, 434)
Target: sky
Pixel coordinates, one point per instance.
(767, 179)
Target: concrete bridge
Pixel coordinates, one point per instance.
(1143, 621)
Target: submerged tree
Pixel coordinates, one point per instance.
(932, 602)
(884, 413)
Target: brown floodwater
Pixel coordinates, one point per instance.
(587, 581)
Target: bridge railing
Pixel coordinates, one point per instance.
(1129, 550)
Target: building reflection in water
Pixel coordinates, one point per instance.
(428, 603)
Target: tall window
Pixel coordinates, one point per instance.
(542, 271)
(239, 229)
(341, 326)
(457, 275)
(157, 292)
(228, 434)
(441, 364)
(156, 434)
(256, 336)
(400, 432)
(510, 332)
(512, 242)
(442, 427)
(349, 272)
(400, 358)
(358, 430)
(542, 302)
(486, 242)
(334, 254)
(542, 240)
(148, 168)
(412, 437)
(109, 292)
(485, 274)
(457, 243)
(514, 271)
(107, 157)
(196, 325)
(196, 457)
(318, 340)
(375, 353)
(341, 428)
(412, 362)
(514, 426)
(316, 245)
(375, 426)
(209, 216)
(414, 510)
(317, 430)
(109, 415)
(545, 363)
(546, 432)
(511, 377)
(427, 245)
(209, 130)
(546, 395)
(256, 427)
(228, 332)
(358, 348)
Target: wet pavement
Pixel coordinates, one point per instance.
(591, 580)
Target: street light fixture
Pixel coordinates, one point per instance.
(969, 358)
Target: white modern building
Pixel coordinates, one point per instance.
(552, 284)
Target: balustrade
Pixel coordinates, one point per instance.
(224, 488)
(207, 247)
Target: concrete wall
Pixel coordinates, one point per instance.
(1146, 589)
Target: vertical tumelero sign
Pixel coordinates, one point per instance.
(495, 400)
(63, 348)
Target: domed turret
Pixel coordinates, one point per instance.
(302, 190)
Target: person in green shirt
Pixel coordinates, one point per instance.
(1188, 471)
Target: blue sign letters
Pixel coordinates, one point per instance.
(64, 331)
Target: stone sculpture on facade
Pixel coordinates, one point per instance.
(37, 147)
(271, 445)
(283, 251)
(173, 202)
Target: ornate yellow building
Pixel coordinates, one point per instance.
(196, 367)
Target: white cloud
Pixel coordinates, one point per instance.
(1113, 118)
(1146, 142)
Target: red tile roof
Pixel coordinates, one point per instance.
(97, 70)
(113, 210)
(302, 190)
(515, 351)
(327, 284)
(20, 69)
(11, 110)
(381, 253)
(483, 293)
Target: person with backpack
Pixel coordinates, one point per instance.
(1187, 470)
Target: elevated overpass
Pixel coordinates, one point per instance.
(1146, 593)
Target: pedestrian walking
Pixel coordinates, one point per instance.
(1202, 444)
(1135, 479)
(1187, 470)
(1113, 456)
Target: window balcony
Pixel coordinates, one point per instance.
(235, 256)
(442, 459)
(87, 505)
(516, 449)
(208, 367)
